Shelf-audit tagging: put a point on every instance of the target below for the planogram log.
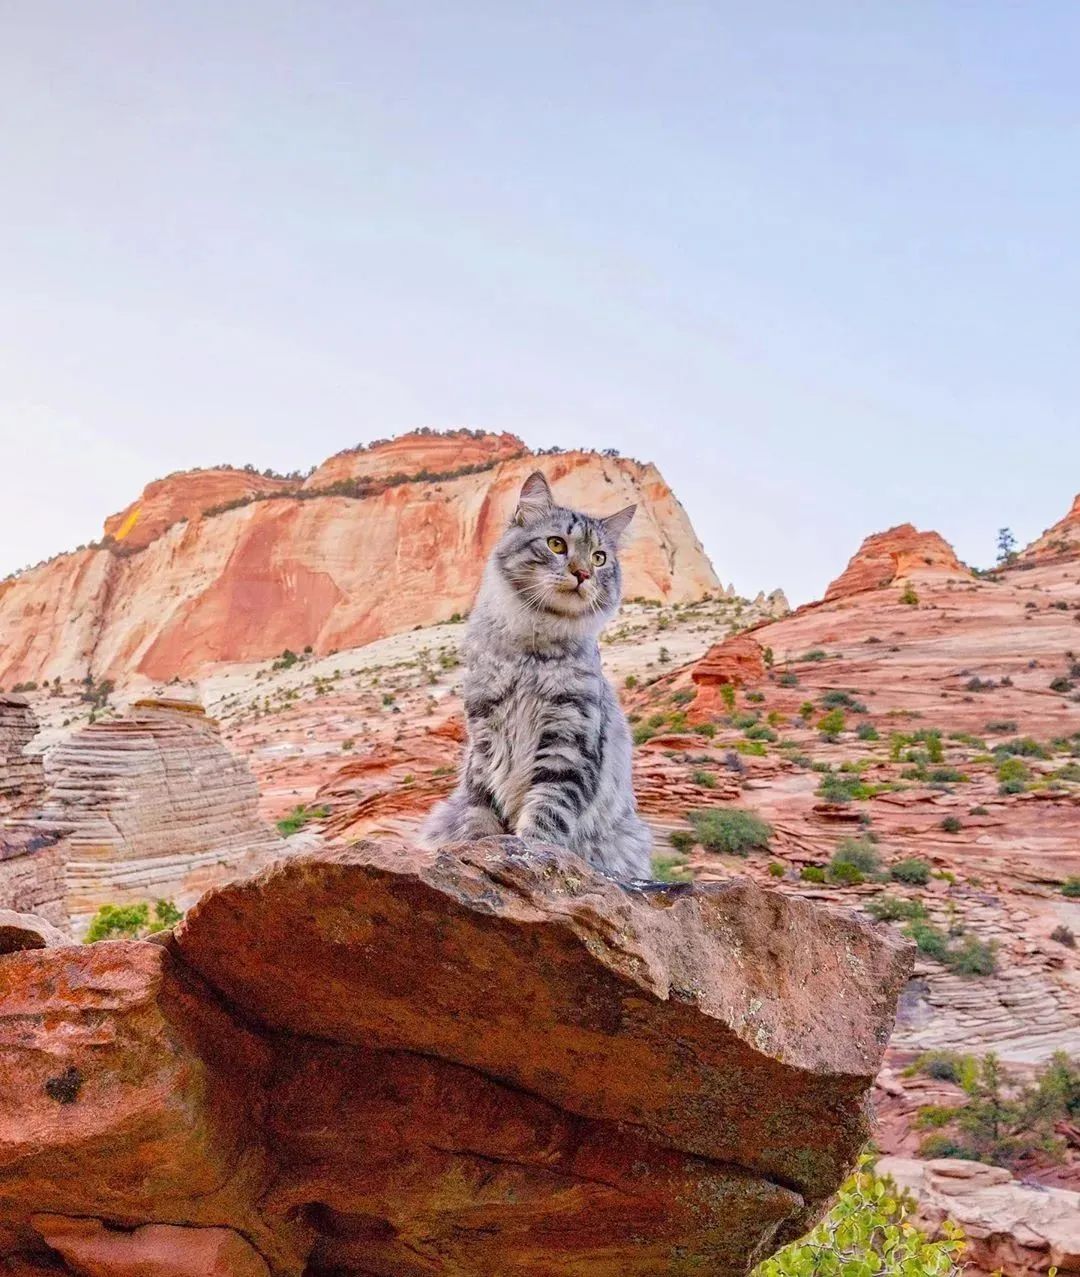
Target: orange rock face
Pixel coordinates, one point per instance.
(412, 453)
(1062, 541)
(184, 497)
(737, 661)
(902, 552)
(475, 1064)
(329, 571)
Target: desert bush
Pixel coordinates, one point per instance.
(888, 908)
(951, 825)
(131, 922)
(867, 731)
(1071, 887)
(812, 873)
(868, 1233)
(815, 654)
(842, 700)
(682, 839)
(912, 870)
(830, 725)
(730, 829)
(860, 853)
(909, 596)
(670, 868)
(776, 869)
(299, 817)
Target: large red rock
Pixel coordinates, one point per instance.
(388, 1062)
(890, 556)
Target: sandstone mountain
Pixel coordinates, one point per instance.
(231, 566)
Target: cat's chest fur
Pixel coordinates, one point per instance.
(514, 702)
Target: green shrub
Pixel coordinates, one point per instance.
(730, 829)
(868, 1233)
(776, 869)
(1022, 746)
(705, 779)
(816, 654)
(755, 698)
(670, 868)
(913, 871)
(630, 682)
(788, 679)
(1071, 887)
(727, 695)
(844, 874)
(299, 817)
(759, 731)
(909, 596)
(860, 853)
(812, 873)
(1001, 726)
(682, 839)
(887, 908)
(951, 825)
(131, 922)
(842, 700)
(830, 725)
(1013, 775)
(973, 956)
(844, 787)
(867, 731)
(929, 940)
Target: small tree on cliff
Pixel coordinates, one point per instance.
(1006, 546)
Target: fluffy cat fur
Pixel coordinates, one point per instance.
(548, 754)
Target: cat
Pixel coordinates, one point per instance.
(549, 750)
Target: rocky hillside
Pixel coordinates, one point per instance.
(230, 566)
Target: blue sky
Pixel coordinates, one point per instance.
(818, 262)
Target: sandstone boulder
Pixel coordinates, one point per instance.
(27, 931)
(388, 1062)
(152, 805)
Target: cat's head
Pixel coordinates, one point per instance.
(560, 563)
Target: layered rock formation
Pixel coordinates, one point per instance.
(1061, 541)
(375, 542)
(22, 778)
(389, 1063)
(31, 869)
(152, 805)
(1019, 1229)
(901, 552)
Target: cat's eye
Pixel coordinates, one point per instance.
(556, 545)
(599, 558)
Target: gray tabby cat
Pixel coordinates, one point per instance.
(548, 755)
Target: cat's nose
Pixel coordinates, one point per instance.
(581, 574)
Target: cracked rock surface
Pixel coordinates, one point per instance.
(390, 1062)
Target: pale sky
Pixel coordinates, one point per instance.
(817, 261)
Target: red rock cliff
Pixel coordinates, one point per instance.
(317, 567)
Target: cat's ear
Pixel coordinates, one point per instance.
(534, 500)
(616, 524)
